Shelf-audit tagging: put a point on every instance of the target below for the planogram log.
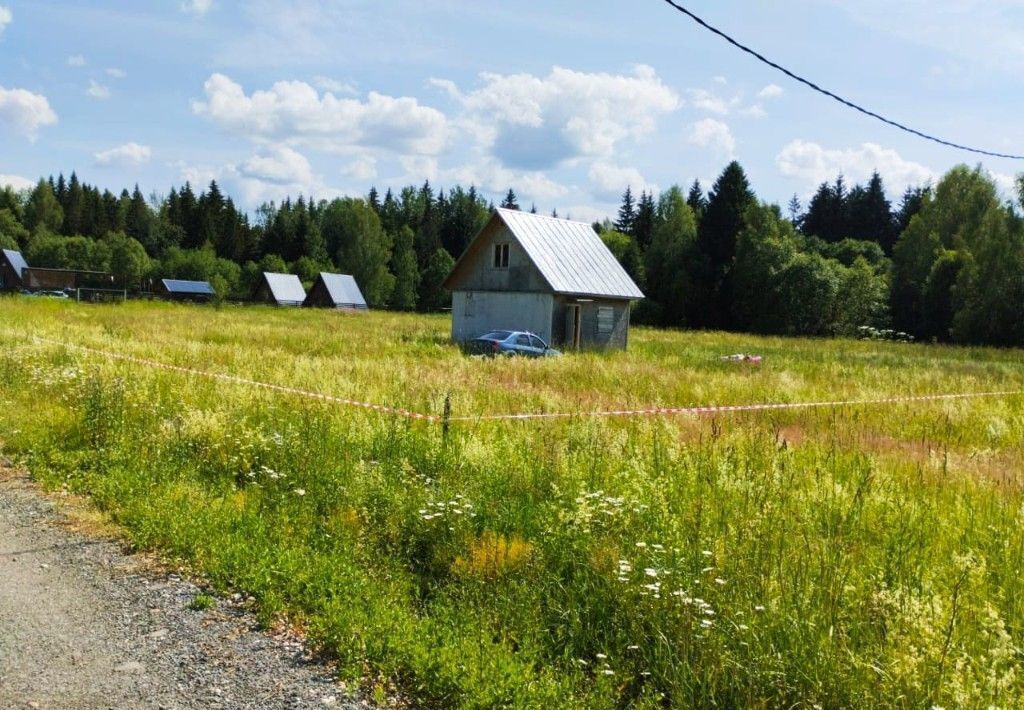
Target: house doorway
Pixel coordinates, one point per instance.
(573, 326)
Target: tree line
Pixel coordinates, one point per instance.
(947, 263)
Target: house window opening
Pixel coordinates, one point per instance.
(501, 256)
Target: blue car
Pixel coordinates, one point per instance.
(510, 342)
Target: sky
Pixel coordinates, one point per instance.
(566, 102)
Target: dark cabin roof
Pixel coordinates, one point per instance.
(343, 290)
(285, 289)
(16, 260)
(570, 256)
(192, 288)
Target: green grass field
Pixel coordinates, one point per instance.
(852, 557)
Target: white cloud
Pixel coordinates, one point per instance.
(710, 133)
(275, 173)
(448, 86)
(280, 165)
(532, 123)
(98, 90)
(333, 85)
(754, 111)
(610, 181)
(418, 168)
(713, 103)
(116, 73)
(5, 18)
(127, 155)
(76, 60)
(197, 7)
(294, 112)
(24, 112)
(491, 176)
(813, 165)
(16, 182)
(361, 168)
(772, 91)
(1007, 184)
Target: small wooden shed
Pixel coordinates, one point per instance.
(336, 291)
(280, 289)
(552, 277)
(12, 268)
(188, 291)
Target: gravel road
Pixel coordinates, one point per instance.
(85, 625)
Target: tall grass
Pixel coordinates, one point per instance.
(854, 557)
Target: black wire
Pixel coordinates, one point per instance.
(828, 93)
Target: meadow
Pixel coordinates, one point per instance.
(858, 556)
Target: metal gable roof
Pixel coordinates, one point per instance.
(199, 288)
(344, 290)
(16, 260)
(570, 255)
(285, 288)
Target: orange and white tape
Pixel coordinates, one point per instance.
(645, 412)
(244, 381)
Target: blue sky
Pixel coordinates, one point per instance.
(567, 102)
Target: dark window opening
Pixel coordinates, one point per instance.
(501, 256)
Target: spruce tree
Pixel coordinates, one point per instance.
(696, 200)
(511, 202)
(723, 220)
(626, 221)
(794, 208)
(428, 233)
(870, 215)
(643, 225)
(913, 200)
(827, 214)
(73, 206)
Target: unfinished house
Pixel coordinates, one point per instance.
(552, 277)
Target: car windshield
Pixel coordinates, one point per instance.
(496, 335)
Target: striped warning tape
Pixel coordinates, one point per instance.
(731, 408)
(650, 411)
(244, 381)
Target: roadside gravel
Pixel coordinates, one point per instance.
(83, 624)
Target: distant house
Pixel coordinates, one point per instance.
(192, 291)
(280, 289)
(549, 276)
(335, 291)
(12, 270)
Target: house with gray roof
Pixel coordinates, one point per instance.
(552, 277)
(336, 291)
(12, 270)
(280, 289)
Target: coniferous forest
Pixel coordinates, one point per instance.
(946, 263)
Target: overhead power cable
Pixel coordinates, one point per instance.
(831, 95)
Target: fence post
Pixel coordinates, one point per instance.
(446, 417)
